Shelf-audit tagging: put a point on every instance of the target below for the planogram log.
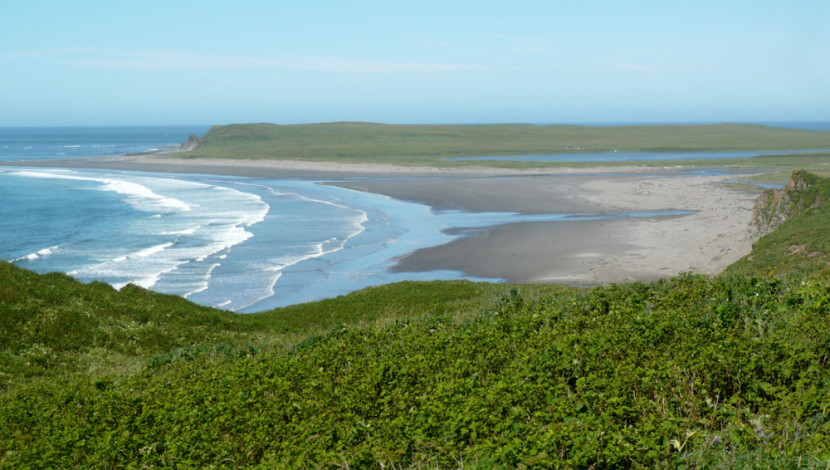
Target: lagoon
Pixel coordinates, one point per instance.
(630, 156)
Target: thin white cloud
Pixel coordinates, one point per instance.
(339, 64)
(165, 59)
(159, 60)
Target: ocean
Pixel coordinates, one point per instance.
(242, 244)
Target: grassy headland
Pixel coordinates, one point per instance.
(802, 243)
(351, 142)
(730, 371)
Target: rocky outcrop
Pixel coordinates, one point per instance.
(776, 206)
(193, 142)
(772, 208)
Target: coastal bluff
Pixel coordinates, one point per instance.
(192, 143)
(775, 206)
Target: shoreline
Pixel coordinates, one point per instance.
(587, 253)
(168, 162)
(575, 253)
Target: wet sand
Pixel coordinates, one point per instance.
(578, 253)
(586, 252)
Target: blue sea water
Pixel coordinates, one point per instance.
(242, 244)
(37, 143)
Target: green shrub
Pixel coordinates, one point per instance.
(730, 371)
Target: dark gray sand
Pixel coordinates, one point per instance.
(564, 253)
(577, 253)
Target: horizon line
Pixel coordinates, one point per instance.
(491, 123)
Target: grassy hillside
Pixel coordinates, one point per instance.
(727, 371)
(802, 243)
(430, 144)
(52, 325)
(730, 371)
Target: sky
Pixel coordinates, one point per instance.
(131, 62)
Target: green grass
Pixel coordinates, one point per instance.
(800, 245)
(727, 371)
(731, 371)
(431, 144)
(52, 324)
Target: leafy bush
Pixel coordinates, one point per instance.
(730, 371)
(693, 371)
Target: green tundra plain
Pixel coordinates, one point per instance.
(355, 142)
(727, 371)
(433, 145)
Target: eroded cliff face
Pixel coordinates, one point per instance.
(193, 142)
(775, 206)
(772, 208)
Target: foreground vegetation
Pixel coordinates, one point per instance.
(730, 371)
(432, 144)
(53, 326)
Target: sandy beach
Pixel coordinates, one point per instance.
(576, 253)
(587, 252)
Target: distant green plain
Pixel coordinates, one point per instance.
(432, 145)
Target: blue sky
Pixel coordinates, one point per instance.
(123, 62)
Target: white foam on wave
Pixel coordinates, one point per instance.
(48, 251)
(316, 250)
(147, 266)
(190, 230)
(39, 254)
(223, 238)
(204, 284)
(186, 231)
(317, 201)
(278, 265)
(146, 282)
(138, 196)
(152, 250)
(149, 280)
(72, 146)
(145, 253)
(253, 216)
(361, 218)
(358, 224)
(210, 227)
